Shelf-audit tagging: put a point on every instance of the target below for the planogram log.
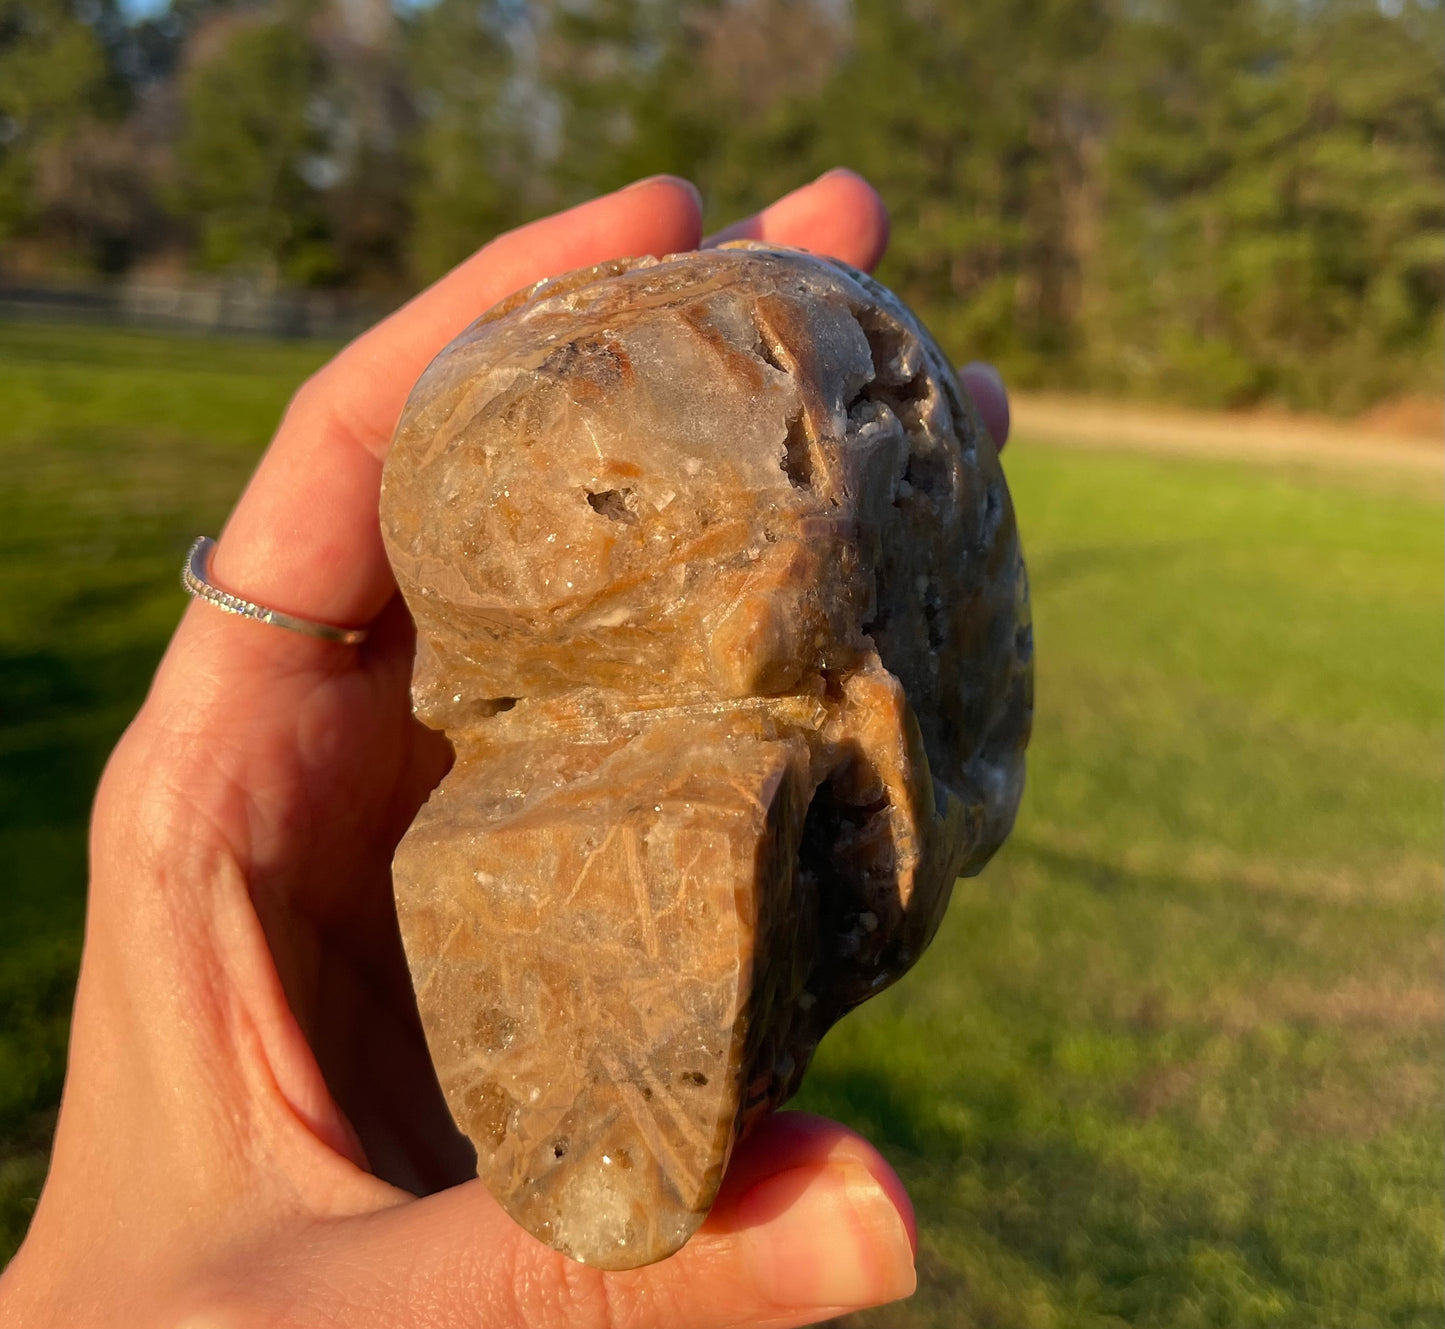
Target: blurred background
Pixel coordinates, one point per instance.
(1223, 202)
(1178, 1057)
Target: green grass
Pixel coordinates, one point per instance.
(1174, 1060)
(117, 449)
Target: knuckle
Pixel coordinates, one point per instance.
(312, 391)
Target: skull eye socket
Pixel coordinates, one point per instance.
(797, 460)
(900, 384)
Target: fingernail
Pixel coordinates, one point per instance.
(670, 179)
(835, 170)
(987, 370)
(826, 1236)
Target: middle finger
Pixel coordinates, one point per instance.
(839, 214)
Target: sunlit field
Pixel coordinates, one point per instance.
(1175, 1059)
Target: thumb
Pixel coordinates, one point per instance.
(810, 1223)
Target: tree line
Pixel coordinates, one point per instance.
(1215, 201)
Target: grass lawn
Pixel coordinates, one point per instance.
(1175, 1058)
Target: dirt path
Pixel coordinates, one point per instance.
(1085, 422)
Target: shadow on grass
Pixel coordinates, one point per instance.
(1087, 1232)
(61, 710)
(1056, 569)
(37, 985)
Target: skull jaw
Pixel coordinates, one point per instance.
(586, 925)
(626, 942)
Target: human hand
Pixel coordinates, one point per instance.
(250, 1113)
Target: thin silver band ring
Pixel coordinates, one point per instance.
(196, 578)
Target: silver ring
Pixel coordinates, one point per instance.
(196, 578)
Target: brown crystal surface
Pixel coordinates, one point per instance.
(720, 601)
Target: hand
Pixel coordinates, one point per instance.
(250, 1115)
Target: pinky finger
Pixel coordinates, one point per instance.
(986, 388)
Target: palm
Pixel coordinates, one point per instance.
(327, 775)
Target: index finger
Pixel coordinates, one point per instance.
(304, 537)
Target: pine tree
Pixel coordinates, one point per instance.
(251, 157)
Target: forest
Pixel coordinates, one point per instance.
(1215, 202)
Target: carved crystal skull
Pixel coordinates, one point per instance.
(719, 599)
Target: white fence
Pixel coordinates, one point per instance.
(203, 305)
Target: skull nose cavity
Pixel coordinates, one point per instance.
(848, 859)
(614, 504)
(848, 918)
